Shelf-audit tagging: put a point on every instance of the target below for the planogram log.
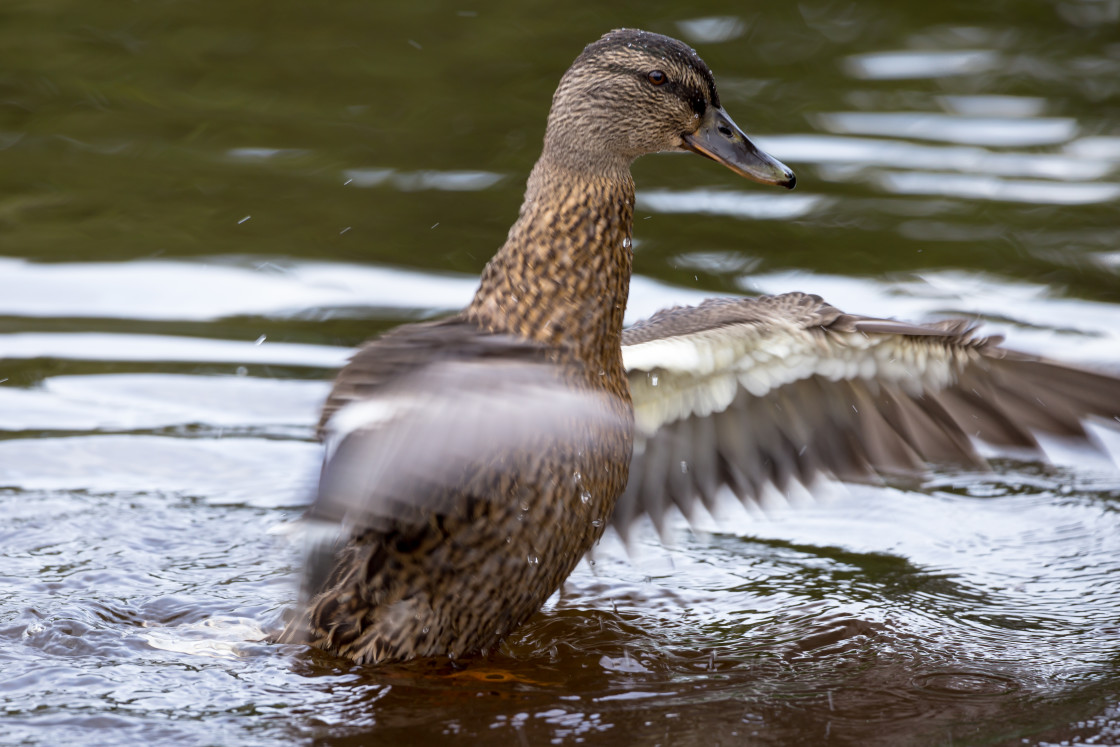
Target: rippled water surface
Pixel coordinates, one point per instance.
(204, 207)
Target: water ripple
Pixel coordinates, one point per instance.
(452, 181)
(921, 64)
(979, 187)
(1008, 132)
(899, 154)
(745, 205)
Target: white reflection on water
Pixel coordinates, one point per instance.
(736, 204)
(997, 131)
(450, 181)
(252, 471)
(920, 64)
(980, 187)
(264, 154)
(712, 30)
(993, 105)
(102, 346)
(147, 401)
(201, 291)
(899, 154)
(1100, 147)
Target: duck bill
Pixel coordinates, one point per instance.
(721, 140)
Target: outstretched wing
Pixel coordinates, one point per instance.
(744, 393)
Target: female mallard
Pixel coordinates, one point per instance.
(471, 462)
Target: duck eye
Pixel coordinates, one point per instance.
(656, 77)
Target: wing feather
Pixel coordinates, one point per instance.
(750, 393)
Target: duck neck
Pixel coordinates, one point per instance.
(563, 275)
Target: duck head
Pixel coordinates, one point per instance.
(634, 92)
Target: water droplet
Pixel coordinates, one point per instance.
(684, 467)
(576, 477)
(524, 506)
(260, 339)
(425, 629)
(534, 560)
(626, 243)
(596, 522)
(585, 496)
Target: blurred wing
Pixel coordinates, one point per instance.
(404, 452)
(426, 411)
(746, 393)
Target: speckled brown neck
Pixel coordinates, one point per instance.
(563, 275)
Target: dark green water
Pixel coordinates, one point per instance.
(205, 206)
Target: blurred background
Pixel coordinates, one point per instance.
(204, 206)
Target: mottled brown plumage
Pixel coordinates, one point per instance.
(471, 462)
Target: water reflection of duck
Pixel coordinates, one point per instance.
(472, 461)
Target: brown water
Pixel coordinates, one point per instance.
(205, 206)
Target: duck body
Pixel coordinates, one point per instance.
(471, 462)
(512, 519)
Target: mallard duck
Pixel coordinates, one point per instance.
(472, 461)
